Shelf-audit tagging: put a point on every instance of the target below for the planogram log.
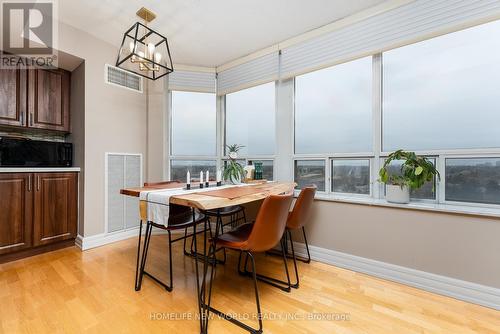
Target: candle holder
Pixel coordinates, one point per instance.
(188, 186)
(207, 184)
(219, 183)
(201, 185)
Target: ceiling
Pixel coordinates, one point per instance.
(210, 33)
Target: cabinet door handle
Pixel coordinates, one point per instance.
(29, 182)
(38, 183)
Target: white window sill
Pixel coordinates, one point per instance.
(436, 207)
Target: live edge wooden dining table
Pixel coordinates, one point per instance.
(212, 198)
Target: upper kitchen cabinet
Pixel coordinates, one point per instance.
(48, 99)
(13, 97)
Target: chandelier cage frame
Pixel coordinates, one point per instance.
(133, 56)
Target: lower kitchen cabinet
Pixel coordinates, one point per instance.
(37, 210)
(55, 207)
(16, 211)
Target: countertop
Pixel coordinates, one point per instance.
(38, 169)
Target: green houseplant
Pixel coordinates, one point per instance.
(233, 172)
(415, 171)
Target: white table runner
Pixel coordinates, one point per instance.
(158, 201)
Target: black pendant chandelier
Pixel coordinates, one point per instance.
(144, 51)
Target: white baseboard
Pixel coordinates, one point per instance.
(443, 285)
(102, 239)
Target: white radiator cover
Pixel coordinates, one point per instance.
(122, 170)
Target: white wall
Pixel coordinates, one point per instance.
(115, 119)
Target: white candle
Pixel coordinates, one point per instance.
(218, 175)
(188, 178)
(207, 178)
(201, 177)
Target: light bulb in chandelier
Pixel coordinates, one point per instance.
(151, 50)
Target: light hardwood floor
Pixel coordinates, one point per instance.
(70, 291)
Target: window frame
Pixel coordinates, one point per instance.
(346, 194)
(327, 170)
(376, 158)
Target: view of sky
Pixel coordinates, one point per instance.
(333, 109)
(193, 124)
(250, 119)
(443, 93)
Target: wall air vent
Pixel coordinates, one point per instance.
(118, 77)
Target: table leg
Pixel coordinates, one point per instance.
(200, 302)
(211, 252)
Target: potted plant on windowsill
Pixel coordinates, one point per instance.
(233, 172)
(414, 173)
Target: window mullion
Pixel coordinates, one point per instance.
(376, 124)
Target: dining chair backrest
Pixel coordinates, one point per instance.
(302, 208)
(270, 223)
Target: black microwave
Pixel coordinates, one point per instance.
(19, 152)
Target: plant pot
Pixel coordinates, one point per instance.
(397, 194)
(235, 179)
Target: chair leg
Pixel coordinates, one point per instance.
(243, 272)
(280, 284)
(307, 246)
(289, 238)
(296, 285)
(185, 238)
(138, 256)
(257, 300)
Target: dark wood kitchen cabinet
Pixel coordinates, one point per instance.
(38, 212)
(16, 208)
(13, 89)
(35, 99)
(55, 214)
(48, 99)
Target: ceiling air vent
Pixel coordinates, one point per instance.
(118, 77)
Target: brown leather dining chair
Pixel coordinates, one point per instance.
(180, 218)
(248, 239)
(297, 218)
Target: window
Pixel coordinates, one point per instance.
(247, 111)
(333, 109)
(442, 93)
(351, 176)
(267, 168)
(179, 169)
(193, 124)
(309, 172)
(475, 180)
(427, 191)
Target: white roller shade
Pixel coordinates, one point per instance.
(192, 81)
(252, 73)
(409, 23)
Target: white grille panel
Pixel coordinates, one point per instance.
(123, 170)
(119, 77)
